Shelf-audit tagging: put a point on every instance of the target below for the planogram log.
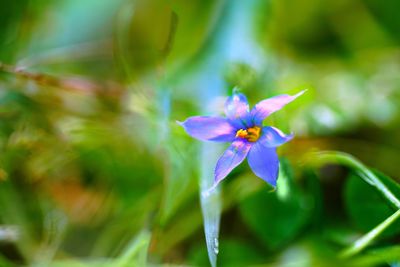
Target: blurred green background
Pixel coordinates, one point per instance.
(94, 170)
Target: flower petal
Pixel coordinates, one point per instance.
(232, 157)
(236, 106)
(209, 128)
(268, 106)
(237, 110)
(264, 162)
(273, 137)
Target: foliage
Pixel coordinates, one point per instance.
(94, 170)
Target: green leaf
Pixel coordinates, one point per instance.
(366, 206)
(234, 253)
(384, 185)
(335, 157)
(273, 218)
(135, 253)
(379, 256)
(5, 262)
(238, 253)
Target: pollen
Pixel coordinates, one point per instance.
(251, 134)
(242, 133)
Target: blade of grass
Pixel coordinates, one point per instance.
(367, 175)
(210, 203)
(364, 241)
(378, 257)
(364, 172)
(135, 253)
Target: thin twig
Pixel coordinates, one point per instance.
(72, 83)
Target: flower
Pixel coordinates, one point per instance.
(243, 128)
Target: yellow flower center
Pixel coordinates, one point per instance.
(251, 134)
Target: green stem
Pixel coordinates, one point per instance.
(364, 241)
(366, 174)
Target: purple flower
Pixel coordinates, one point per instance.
(243, 128)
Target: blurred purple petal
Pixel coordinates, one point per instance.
(232, 157)
(209, 128)
(268, 106)
(237, 110)
(264, 162)
(236, 106)
(273, 137)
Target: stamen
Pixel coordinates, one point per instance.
(241, 133)
(251, 134)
